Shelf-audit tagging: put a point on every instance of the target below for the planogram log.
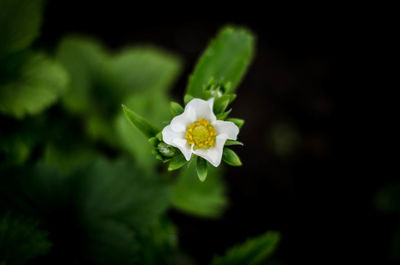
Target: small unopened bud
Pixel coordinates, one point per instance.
(166, 150)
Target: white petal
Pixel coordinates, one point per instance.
(181, 122)
(213, 154)
(227, 128)
(202, 109)
(178, 140)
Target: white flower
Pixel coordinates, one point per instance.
(198, 131)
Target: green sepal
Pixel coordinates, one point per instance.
(140, 123)
(166, 150)
(224, 115)
(159, 136)
(231, 158)
(187, 98)
(232, 97)
(233, 142)
(175, 108)
(157, 155)
(177, 162)
(154, 141)
(238, 122)
(221, 103)
(201, 167)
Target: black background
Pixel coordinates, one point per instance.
(319, 197)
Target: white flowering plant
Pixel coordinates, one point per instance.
(202, 130)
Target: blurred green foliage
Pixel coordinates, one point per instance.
(76, 181)
(387, 200)
(253, 251)
(206, 199)
(283, 139)
(138, 77)
(21, 239)
(20, 22)
(30, 83)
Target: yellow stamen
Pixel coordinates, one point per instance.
(201, 134)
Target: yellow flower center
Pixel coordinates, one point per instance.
(201, 133)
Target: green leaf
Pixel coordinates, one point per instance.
(252, 252)
(119, 204)
(233, 142)
(176, 108)
(34, 83)
(15, 147)
(139, 69)
(68, 156)
(140, 123)
(225, 59)
(20, 22)
(87, 64)
(21, 240)
(201, 167)
(122, 191)
(231, 158)
(177, 162)
(202, 199)
(239, 122)
(187, 98)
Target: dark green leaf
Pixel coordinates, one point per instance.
(177, 162)
(140, 123)
(20, 22)
(201, 167)
(87, 65)
(176, 108)
(67, 159)
(203, 199)
(230, 157)
(116, 206)
(226, 60)
(21, 240)
(252, 252)
(122, 191)
(36, 84)
(239, 122)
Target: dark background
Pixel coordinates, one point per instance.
(315, 193)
